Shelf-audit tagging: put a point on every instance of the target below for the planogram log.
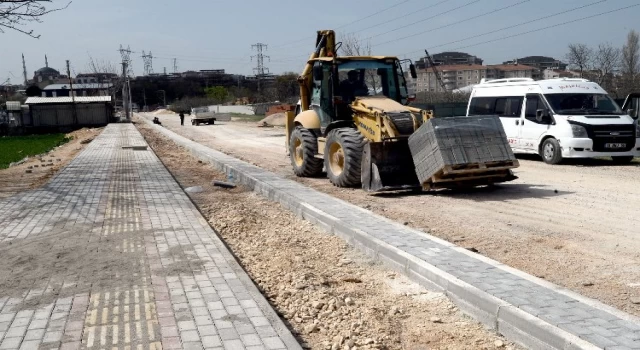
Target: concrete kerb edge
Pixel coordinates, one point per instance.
(281, 329)
(491, 311)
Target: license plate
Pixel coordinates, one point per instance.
(615, 145)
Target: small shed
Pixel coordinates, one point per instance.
(65, 111)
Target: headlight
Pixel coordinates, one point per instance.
(579, 131)
(637, 128)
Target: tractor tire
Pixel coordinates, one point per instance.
(343, 157)
(303, 146)
(622, 159)
(551, 152)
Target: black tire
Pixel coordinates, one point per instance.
(622, 159)
(551, 152)
(348, 144)
(213, 122)
(193, 122)
(303, 146)
(197, 123)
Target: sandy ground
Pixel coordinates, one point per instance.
(37, 170)
(331, 296)
(576, 225)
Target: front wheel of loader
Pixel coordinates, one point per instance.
(343, 157)
(303, 146)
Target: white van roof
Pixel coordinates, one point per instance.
(548, 86)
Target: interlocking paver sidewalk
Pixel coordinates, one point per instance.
(526, 309)
(111, 254)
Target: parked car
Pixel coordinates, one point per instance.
(204, 115)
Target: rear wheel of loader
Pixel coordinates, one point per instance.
(343, 157)
(303, 146)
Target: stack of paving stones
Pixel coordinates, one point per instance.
(153, 274)
(458, 141)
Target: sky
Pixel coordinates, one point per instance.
(218, 34)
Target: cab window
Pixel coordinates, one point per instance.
(508, 106)
(534, 102)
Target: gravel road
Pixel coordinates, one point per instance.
(331, 296)
(576, 225)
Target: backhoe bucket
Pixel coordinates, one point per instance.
(388, 166)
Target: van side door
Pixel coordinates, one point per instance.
(507, 108)
(532, 130)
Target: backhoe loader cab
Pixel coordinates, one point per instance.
(338, 82)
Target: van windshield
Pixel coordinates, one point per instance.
(583, 104)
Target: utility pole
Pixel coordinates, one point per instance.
(125, 91)
(148, 63)
(260, 69)
(71, 92)
(24, 72)
(164, 97)
(144, 96)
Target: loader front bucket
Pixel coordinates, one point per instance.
(388, 166)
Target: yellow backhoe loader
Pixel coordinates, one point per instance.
(354, 121)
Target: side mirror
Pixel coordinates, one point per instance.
(412, 69)
(542, 115)
(317, 72)
(632, 112)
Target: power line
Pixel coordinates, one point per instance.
(424, 19)
(373, 14)
(497, 30)
(402, 17)
(549, 27)
(458, 22)
(347, 24)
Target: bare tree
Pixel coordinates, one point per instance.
(106, 74)
(606, 61)
(630, 65)
(354, 46)
(16, 14)
(580, 56)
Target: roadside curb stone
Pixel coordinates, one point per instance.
(527, 310)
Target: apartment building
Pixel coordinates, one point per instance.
(459, 76)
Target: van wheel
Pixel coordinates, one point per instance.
(551, 152)
(622, 159)
(343, 157)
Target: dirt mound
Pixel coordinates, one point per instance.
(277, 119)
(163, 111)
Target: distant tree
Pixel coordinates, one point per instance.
(606, 61)
(287, 88)
(630, 65)
(102, 70)
(218, 94)
(17, 14)
(580, 56)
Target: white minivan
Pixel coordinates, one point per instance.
(558, 118)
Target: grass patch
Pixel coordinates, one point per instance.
(15, 148)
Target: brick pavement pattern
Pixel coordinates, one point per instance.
(525, 309)
(145, 269)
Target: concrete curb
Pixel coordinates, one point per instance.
(516, 324)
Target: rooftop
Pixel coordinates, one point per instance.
(79, 86)
(67, 99)
(511, 67)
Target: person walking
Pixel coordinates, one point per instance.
(182, 118)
